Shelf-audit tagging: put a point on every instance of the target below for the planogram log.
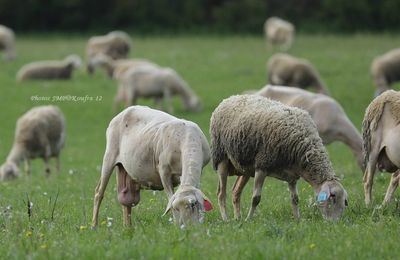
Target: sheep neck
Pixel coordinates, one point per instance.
(192, 161)
(16, 154)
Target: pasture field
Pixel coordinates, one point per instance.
(215, 67)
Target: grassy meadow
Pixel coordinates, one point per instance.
(215, 67)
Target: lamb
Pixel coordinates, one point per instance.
(381, 138)
(253, 136)
(154, 150)
(279, 32)
(116, 68)
(331, 120)
(385, 70)
(286, 70)
(50, 70)
(158, 83)
(7, 42)
(40, 133)
(116, 45)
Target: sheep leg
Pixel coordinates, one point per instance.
(258, 184)
(27, 166)
(241, 181)
(295, 199)
(117, 100)
(166, 180)
(369, 179)
(394, 182)
(58, 163)
(222, 170)
(128, 194)
(106, 171)
(168, 101)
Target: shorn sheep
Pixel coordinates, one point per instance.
(40, 132)
(253, 136)
(158, 83)
(7, 42)
(329, 117)
(286, 70)
(385, 70)
(50, 69)
(279, 32)
(154, 150)
(381, 136)
(116, 45)
(116, 68)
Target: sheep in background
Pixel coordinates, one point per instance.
(286, 70)
(40, 132)
(279, 32)
(50, 69)
(7, 42)
(331, 120)
(381, 136)
(154, 150)
(255, 136)
(116, 68)
(385, 70)
(158, 83)
(116, 45)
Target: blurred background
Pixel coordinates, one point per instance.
(196, 16)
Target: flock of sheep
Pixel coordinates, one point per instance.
(279, 131)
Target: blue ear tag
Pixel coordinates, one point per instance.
(322, 196)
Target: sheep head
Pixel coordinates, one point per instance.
(332, 199)
(188, 205)
(9, 171)
(193, 104)
(74, 60)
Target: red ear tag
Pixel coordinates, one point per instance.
(207, 205)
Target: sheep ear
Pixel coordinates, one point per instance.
(207, 203)
(169, 206)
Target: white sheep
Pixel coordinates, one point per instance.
(154, 150)
(49, 69)
(116, 68)
(381, 139)
(256, 136)
(331, 120)
(385, 70)
(279, 32)
(40, 133)
(286, 70)
(158, 83)
(7, 42)
(116, 44)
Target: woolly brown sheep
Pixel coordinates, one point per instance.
(116, 45)
(7, 42)
(286, 70)
(385, 70)
(40, 132)
(255, 136)
(279, 32)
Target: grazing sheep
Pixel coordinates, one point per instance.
(331, 120)
(115, 44)
(40, 132)
(255, 136)
(279, 32)
(116, 68)
(7, 42)
(158, 83)
(381, 139)
(154, 150)
(286, 70)
(51, 69)
(385, 70)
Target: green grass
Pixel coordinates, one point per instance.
(215, 68)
